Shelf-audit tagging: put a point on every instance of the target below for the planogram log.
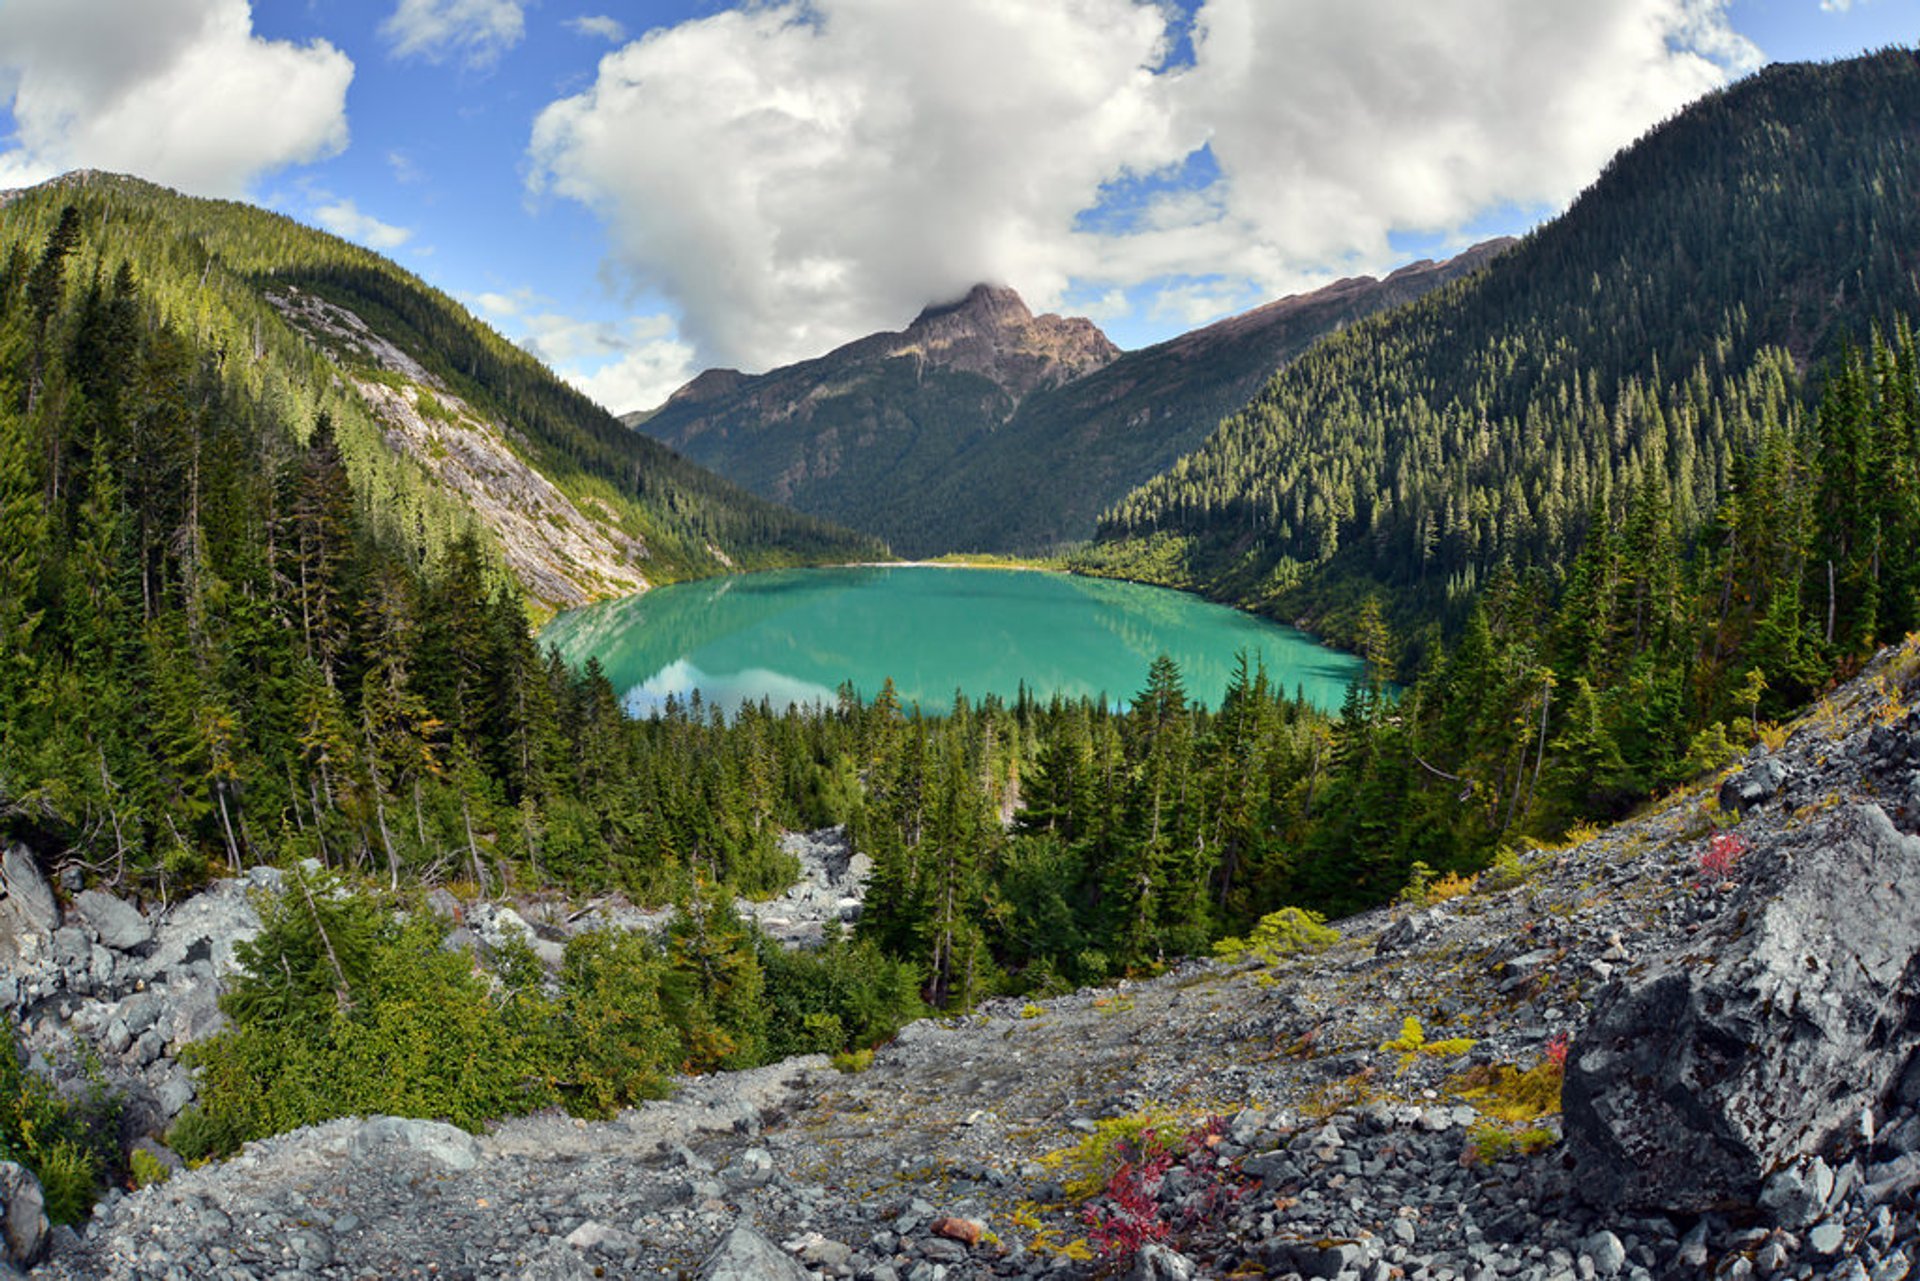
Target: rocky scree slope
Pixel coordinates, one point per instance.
(1733, 972)
(562, 553)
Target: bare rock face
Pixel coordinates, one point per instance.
(991, 332)
(1778, 1033)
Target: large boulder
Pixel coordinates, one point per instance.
(23, 1215)
(1789, 1018)
(117, 922)
(27, 904)
(443, 1144)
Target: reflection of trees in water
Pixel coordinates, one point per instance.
(638, 636)
(933, 630)
(1144, 619)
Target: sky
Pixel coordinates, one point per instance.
(636, 190)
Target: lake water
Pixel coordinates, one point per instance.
(793, 636)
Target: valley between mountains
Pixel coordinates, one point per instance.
(349, 932)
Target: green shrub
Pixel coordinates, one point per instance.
(1287, 932)
(845, 995)
(147, 1169)
(619, 1045)
(68, 1143)
(346, 1007)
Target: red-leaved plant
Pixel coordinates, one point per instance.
(1557, 1051)
(1722, 852)
(1130, 1215)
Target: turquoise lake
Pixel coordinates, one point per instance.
(793, 636)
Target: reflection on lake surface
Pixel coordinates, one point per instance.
(794, 636)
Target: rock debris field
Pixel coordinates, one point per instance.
(1730, 978)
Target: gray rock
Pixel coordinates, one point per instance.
(558, 1261)
(72, 949)
(821, 1252)
(744, 1255)
(1157, 1263)
(1608, 1255)
(445, 1144)
(1792, 1014)
(142, 1010)
(1409, 931)
(117, 922)
(1895, 1267)
(1753, 786)
(1827, 1238)
(1796, 1195)
(751, 1169)
(592, 1235)
(23, 1231)
(118, 1037)
(27, 893)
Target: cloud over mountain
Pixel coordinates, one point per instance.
(795, 174)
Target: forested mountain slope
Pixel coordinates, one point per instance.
(1649, 338)
(438, 418)
(247, 611)
(981, 427)
(1043, 479)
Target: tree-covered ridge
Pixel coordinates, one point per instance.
(211, 268)
(1646, 338)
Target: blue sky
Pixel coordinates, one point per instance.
(638, 189)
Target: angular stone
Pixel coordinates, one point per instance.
(117, 922)
(1156, 1262)
(1753, 786)
(23, 1231)
(27, 892)
(1795, 1195)
(1794, 1012)
(1827, 1238)
(1608, 1255)
(745, 1255)
(445, 1144)
(751, 1169)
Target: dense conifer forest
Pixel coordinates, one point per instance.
(1645, 485)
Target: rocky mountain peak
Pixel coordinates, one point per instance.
(992, 332)
(988, 306)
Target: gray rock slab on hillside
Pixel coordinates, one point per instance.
(28, 896)
(23, 1215)
(1788, 1018)
(437, 1141)
(745, 1255)
(117, 922)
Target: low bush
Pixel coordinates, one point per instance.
(68, 1143)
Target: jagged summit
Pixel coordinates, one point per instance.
(984, 300)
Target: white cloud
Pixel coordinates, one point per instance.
(635, 364)
(798, 172)
(343, 218)
(792, 177)
(404, 168)
(476, 31)
(178, 91)
(598, 27)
